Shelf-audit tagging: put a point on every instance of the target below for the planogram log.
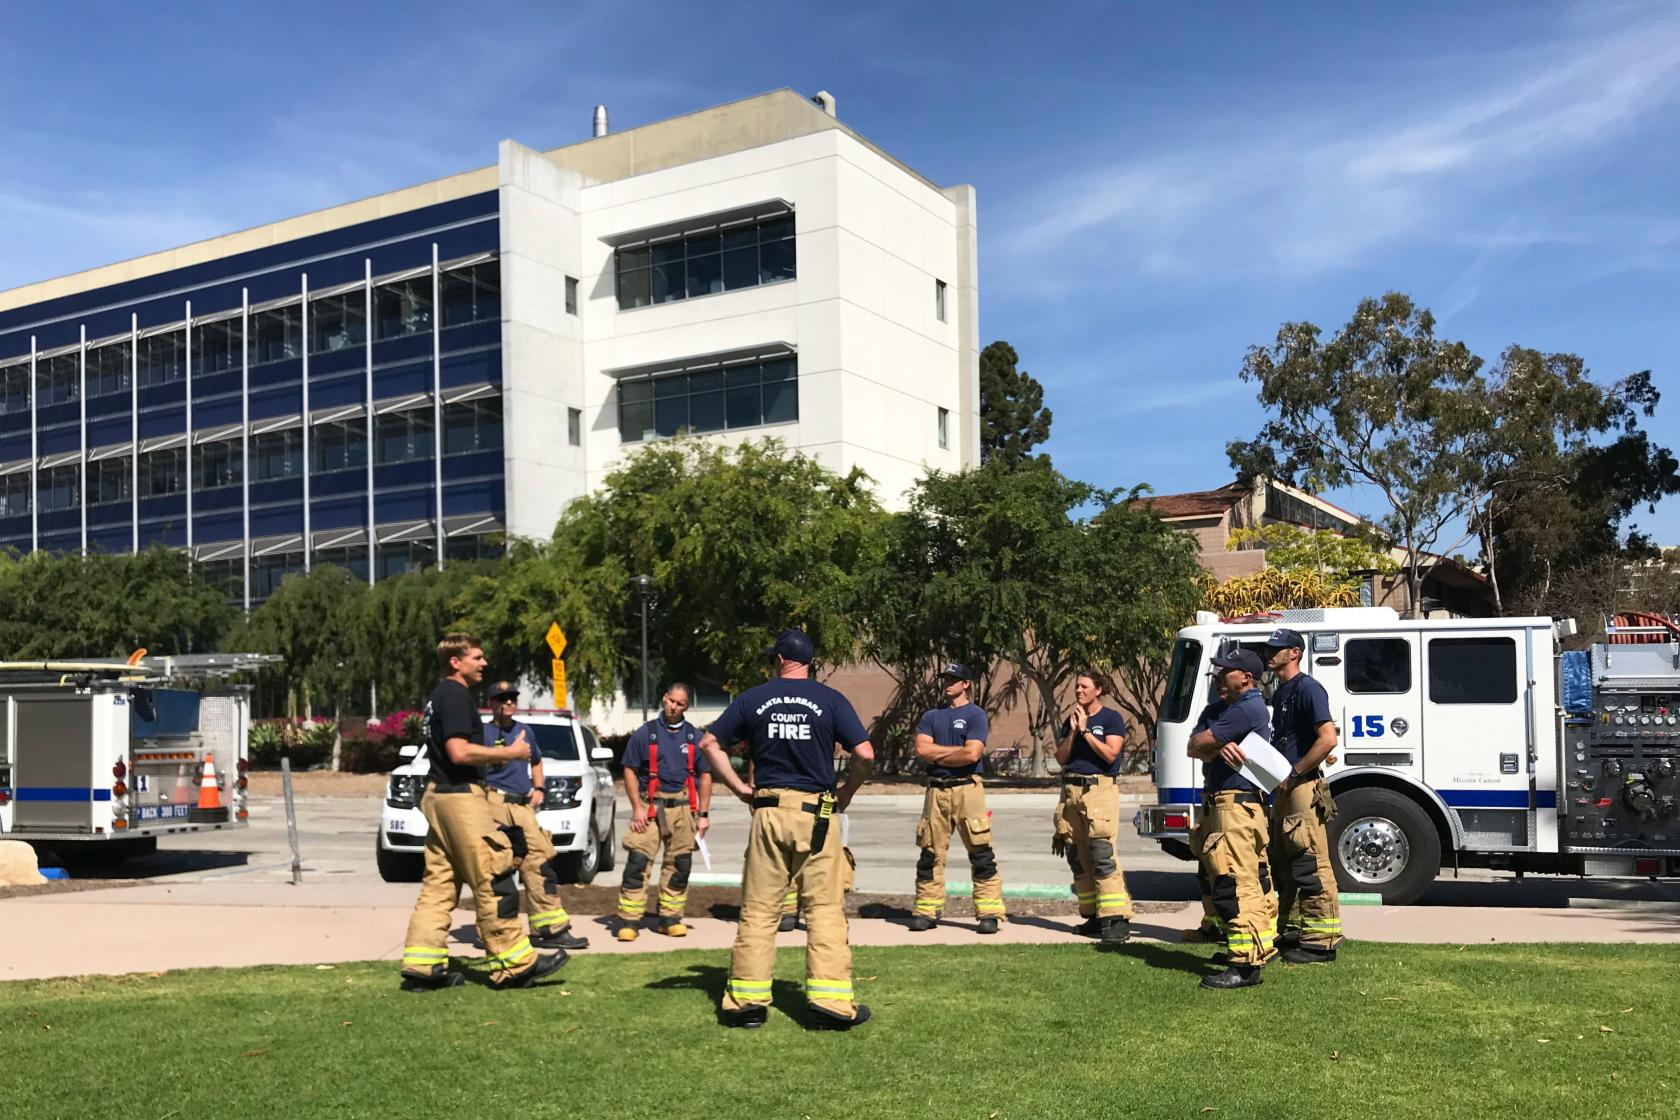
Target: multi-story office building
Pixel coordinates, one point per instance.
(405, 379)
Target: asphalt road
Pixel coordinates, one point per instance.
(336, 839)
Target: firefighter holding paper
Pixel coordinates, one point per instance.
(668, 782)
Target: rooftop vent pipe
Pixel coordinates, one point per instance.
(600, 120)
(825, 101)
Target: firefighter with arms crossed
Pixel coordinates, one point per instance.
(791, 724)
(1303, 733)
(669, 785)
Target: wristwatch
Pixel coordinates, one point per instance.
(704, 813)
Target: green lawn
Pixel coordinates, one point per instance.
(984, 1032)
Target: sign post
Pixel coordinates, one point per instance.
(557, 646)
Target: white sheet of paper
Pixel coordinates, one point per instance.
(1263, 764)
(845, 831)
(705, 853)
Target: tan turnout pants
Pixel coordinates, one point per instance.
(848, 877)
(465, 848)
(539, 871)
(779, 851)
(1088, 820)
(1308, 903)
(1210, 917)
(671, 825)
(1234, 861)
(961, 810)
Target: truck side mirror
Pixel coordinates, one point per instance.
(408, 752)
(601, 754)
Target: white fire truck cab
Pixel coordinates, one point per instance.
(1462, 742)
(112, 755)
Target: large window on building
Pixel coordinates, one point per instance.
(339, 446)
(218, 463)
(59, 379)
(403, 307)
(267, 572)
(276, 455)
(217, 346)
(14, 494)
(110, 368)
(353, 558)
(163, 358)
(109, 481)
(472, 294)
(14, 388)
(729, 397)
(276, 334)
(59, 488)
(403, 437)
(472, 426)
(706, 261)
(226, 576)
(405, 556)
(163, 472)
(338, 322)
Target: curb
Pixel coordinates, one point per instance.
(1359, 898)
(953, 887)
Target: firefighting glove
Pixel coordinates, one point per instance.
(1057, 847)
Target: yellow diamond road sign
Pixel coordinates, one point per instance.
(556, 639)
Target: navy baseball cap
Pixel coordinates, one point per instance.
(795, 645)
(1246, 660)
(503, 688)
(956, 671)
(1286, 639)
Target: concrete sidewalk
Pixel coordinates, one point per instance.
(232, 923)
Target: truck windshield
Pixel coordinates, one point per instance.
(1181, 681)
(556, 741)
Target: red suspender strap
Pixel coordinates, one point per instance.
(693, 798)
(653, 760)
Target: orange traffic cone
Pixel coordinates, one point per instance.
(182, 791)
(209, 796)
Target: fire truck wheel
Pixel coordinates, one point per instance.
(1382, 842)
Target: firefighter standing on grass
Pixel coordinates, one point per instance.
(516, 792)
(1234, 838)
(1302, 731)
(463, 843)
(791, 725)
(669, 785)
(1088, 816)
(951, 740)
(1210, 930)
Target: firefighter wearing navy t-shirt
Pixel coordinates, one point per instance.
(1088, 816)
(1234, 836)
(1210, 930)
(952, 742)
(790, 725)
(1308, 905)
(463, 843)
(669, 785)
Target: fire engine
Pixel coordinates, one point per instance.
(1471, 742)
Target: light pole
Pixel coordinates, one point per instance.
(644, 591)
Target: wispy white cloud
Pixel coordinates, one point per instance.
(1314, 193)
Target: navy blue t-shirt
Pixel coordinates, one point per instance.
(511, 777)
(1106, 724)
(953, 727)
(1298, 707)
(676, 746)
(790, 727)
(1244, 714)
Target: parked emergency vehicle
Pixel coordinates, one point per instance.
(1468, 742)
(114, 753)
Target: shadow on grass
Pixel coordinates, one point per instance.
(785, 995)
(1156, 955)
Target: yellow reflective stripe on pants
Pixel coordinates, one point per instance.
(521, 950)
(550, 918)
(828, 989)
(988, 905)
(626, 905)
(792, 898)
(424, 958)
(677, 900)
(749, 991)
(927, 905)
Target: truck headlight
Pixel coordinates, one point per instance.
(562, 792)
(403, 791)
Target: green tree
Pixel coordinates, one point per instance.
(1384, 403)
(314, 621)
(1013, 419)
(1295, 550)
(400, 623)
(740, 543)
(66, 605)
(1022, 566)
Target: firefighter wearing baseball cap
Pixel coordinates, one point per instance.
(1234, 838)
(791, 724)
(464, 845)
(1302, 731)
(669, 785)
(1087, 817)
(1210, 930)
(517, 790)
(951, 741)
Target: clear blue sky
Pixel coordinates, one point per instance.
(1159, 187)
